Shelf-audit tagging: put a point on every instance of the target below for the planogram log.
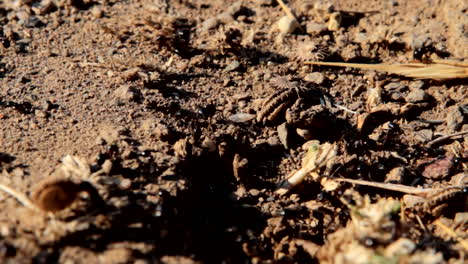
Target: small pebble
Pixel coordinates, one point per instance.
(127, 93)
(416, 96)
(314, 28)
(254, 192)
(315, 77)
(287, 25)
(40, 113)
(283, 134)
(210, 23)
(454, 119)
(241, 117)
(304, 133)
(335, 21)
(125, 184)
(232, 66)
(209, 144)
(96, 12)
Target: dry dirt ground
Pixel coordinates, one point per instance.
(161, 106)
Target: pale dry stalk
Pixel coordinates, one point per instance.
(317, 157)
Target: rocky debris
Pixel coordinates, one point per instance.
(127, 93)
(438, 168)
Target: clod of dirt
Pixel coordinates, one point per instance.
(439, 168)
(306, 134)
(55, 194)
(40, 113)
(455, 118)
(315, 28)
(210, 23)
(317, 117)
(380, 114)
(182, 148)
(402, 246)
(110, 133)
(234, 65)
(396, 175)
(315, 77)
(127, 93)
(163, 133)
(417, 96)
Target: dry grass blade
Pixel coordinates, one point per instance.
(23, 199)
(388, 186)
(440, 70)
(440, 139)
(452, 233)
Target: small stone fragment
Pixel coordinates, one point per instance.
(234, 65)
(241, 117)
(110, 133)
(439, 168)
(396, 175)
(416, 85)
(234, 8)
(40, 113)
(335, 21)
(424, 135)
(416, 96)
(314, 28)
(125, 184)
(96, 12)
(126, 93)
(239, 165)
(254, 192)
(401, 247)
(283, 134)
(287, 25)
(210, 23)
(209, 144)
(315, 77)
(162, 132)
(454, 119)
(181, 148)
(304, 133)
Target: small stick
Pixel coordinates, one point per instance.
(345, 109)
(452, 233)
(435, 122)
(23, 199)
(390, 186)
(437, 71)
(289, 12)
(420, 222)
(437, 140)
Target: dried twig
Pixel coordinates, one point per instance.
(345, 109)
(439, 70)
(22, 198)
(390, 186)
(317, 157)
(452, 233)
(437, 140)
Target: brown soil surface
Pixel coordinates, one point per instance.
(147, 92)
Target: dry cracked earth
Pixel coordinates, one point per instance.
(159, 131)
